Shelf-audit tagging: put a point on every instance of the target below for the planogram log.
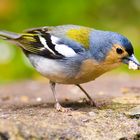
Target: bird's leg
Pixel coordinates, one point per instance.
(57, 104)
(90, 99)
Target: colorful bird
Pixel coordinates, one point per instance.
(71, 54)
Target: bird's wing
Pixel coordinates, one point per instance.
(59, 41)
(52, 42)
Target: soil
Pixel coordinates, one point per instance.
(27, 110)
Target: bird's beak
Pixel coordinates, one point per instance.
(132, 62)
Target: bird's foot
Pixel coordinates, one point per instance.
(97, 104)
(90, 102)
(61, 109)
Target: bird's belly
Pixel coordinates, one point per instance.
(54, 70)
(65, 74)
(61, 72)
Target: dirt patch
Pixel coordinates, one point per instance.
(27, 111)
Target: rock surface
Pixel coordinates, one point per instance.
(27, 113)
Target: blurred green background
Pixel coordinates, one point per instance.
(122, 16)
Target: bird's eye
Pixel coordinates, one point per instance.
(119, 50)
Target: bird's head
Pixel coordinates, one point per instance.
(113, 48)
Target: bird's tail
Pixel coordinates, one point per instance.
(27, 41)
(6, 35)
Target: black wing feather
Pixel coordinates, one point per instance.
(31, 44)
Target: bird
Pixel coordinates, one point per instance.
(73, 54)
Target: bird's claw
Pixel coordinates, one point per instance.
(61, 109)
(90, 102)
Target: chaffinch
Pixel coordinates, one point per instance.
(71, 54)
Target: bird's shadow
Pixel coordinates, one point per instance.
(75, 106)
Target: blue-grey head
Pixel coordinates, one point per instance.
(111, 47)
